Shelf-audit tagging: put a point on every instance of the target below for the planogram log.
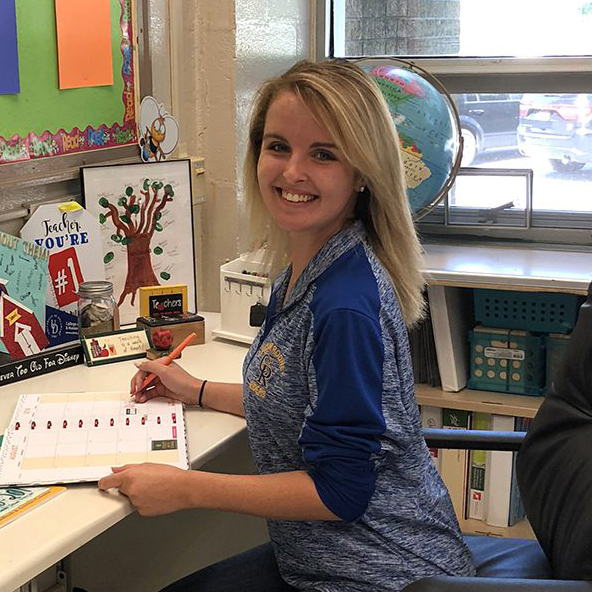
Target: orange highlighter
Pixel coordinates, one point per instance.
(168, 359)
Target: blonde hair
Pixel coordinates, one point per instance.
(347, 102)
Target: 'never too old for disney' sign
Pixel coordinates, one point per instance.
(41, 364)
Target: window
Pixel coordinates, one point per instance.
(517, 73)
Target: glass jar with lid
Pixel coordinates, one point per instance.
(97, 309)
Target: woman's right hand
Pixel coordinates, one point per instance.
(171, 381)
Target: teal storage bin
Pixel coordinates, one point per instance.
(555, 345)
(506, 361)
(539, 312)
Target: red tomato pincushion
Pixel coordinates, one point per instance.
(162, 339)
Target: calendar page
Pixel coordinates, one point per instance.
(74, 437)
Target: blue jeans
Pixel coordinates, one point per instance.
(254, 570)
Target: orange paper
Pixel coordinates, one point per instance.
(84, 43)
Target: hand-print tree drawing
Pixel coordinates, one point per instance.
(136, 219)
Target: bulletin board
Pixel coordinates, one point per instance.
(42, 120)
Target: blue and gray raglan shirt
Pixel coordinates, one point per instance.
(328, 388)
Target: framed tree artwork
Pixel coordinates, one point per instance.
(145, 215)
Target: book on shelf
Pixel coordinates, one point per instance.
(482, 484)
(451, 324)
(492, 494)
(476, 494)
(423, 353)
(454, 463)
(499, 476)
(517, 511)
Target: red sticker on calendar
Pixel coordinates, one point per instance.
(66, 275)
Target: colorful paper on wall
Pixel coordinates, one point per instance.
(46, 121)
(23, 277)
(84, 43)
(9, 71)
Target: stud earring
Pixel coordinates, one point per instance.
(362, 188)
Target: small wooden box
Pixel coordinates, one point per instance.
(179, 325)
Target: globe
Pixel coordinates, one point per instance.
(428, 127)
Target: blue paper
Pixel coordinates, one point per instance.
(9, 72)
(60, 326)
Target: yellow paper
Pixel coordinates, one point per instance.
(71, 206)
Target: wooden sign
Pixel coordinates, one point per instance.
(115, 346)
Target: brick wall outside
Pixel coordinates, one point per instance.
(402, 27)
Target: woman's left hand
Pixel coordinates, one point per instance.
(152, 488)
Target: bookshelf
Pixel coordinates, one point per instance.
(484, 401)
(508, 268)
(451, 270)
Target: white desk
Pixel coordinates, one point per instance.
(39, 539)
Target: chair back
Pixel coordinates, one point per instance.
(554, 465)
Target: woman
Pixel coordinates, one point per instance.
(352, 498)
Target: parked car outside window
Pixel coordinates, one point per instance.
(557, 127)
(489, 122)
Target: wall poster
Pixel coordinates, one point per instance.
(39, 119)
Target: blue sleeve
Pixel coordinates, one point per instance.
(340, 439)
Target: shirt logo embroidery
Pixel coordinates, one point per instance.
(271, 360)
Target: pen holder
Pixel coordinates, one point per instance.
(180, 327)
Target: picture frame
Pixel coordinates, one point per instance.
(146, 218)
(115, 346)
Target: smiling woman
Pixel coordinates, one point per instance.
(328, 388)
(328, 393)
(341, 137)
(307, 185)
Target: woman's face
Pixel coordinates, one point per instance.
(306, 184)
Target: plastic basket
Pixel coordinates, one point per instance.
(555, 349)
(540, 312)
(506, 362)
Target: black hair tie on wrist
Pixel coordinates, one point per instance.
(201, 392)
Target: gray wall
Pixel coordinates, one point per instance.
(403, 27)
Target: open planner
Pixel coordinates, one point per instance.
(75, 437)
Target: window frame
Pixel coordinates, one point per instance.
(463, 75)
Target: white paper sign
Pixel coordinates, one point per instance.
(73, 239)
